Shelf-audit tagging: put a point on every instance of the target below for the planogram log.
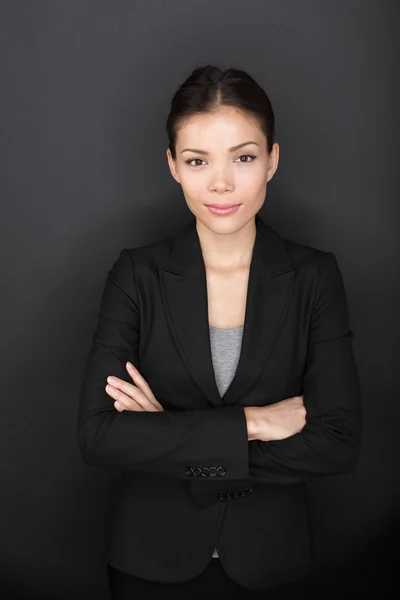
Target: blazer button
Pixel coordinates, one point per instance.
(197, 471)
(188, 470)
(205, 471)
(213, 471)
(229, 496)
(235, 495)
(243, 492)
(221, 471)
(250, 490)
(221, 496)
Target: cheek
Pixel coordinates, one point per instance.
(193, 187)
(251, 182)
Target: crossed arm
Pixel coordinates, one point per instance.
(266, 423)
(280, 443)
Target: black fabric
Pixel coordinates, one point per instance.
(190, 479)
(213, 579)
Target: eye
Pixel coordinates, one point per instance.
(191, 160)
(251, 156)
(247, 155)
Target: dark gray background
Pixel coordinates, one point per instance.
(85, 92)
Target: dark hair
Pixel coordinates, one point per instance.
(207, 88)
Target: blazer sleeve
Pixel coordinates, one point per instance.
(330, 442)
(170, 442)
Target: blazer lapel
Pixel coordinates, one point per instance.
(184, 293)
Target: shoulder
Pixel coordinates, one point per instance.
(312, 262)
(301, 255)
(151, 255)
(141, 260)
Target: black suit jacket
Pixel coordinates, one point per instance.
(190, 480)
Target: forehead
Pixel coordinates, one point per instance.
(224, 127)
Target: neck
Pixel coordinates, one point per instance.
(225, 252)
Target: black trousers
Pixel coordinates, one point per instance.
(214, 579)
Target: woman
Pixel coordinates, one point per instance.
(221, 377)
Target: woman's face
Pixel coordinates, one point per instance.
(212, 173)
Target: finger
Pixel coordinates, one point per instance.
(128, 402)
(119, 406)
(131, 395)
(130, 390)
(140, 381)
(133, 392)
(143, 385)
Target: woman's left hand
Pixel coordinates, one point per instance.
(127, 396)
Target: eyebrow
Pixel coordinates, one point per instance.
(230, 149)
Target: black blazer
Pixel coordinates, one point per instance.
(190, 480)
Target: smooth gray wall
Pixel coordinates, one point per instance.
(85, 91)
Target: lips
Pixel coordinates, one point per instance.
(222, 205)
(225, 210)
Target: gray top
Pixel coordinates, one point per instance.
(225, 351)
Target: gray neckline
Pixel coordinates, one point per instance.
(221, 329)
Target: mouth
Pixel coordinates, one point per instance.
(223, 209)
(223, 206)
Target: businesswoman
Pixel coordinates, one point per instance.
(221, 376)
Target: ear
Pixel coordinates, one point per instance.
(172, 165)
(273, 160)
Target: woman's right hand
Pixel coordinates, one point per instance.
(276, 421)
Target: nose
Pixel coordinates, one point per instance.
(222, 184)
